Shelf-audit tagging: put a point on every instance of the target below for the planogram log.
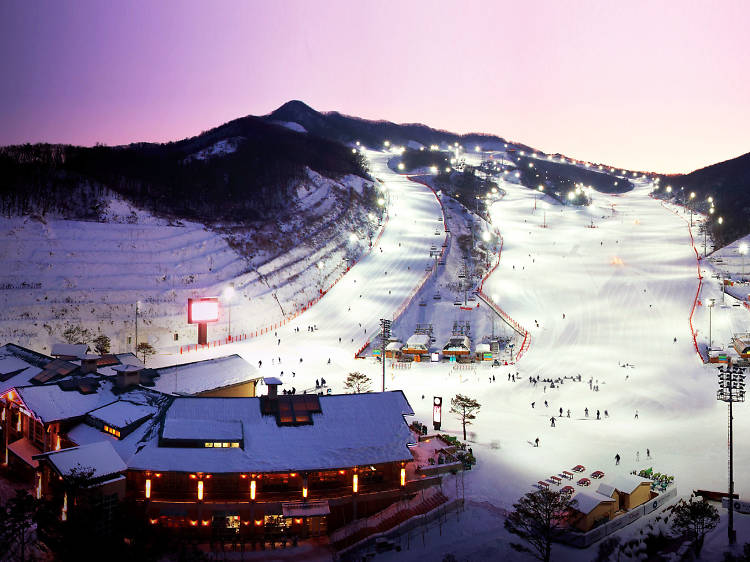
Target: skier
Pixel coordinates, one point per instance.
(532, 404)
(536, 442)
(493, 378)
(637, 456)
(545, 404)
(636, 414)
(552, 421)
(606, 414)
(568, 412)
(597, 415)
(560, 412)
(260, 364)
(587, 412)
(322, 381)
(617, 458)
(329, 360)
(648, 454)
(317, 383)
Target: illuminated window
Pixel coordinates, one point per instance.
(210, 445)
(200, 490)
(217, 445)
(226, 445)
(355, 483)
(148, 488)
(252, 489)
(235, 445)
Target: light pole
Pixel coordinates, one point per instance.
(137, 306)
(731, 389)
(743, 250)
(692, 196)
(228, 293)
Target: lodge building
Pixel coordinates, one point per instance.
(305, 464)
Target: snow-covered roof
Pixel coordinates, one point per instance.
(462, 342)
(193, 378)
(272, 380)
(126, 368)
(206, 430)
(122, 413)
(70, 349)
(18, 366)
(25, 449)
(586, 502)
(418, 340)
(352, 430)
(394, 346)
(483, 348)
(606, 489)
(627, 483)
(100, 456)
(50, 403)
(11, 364)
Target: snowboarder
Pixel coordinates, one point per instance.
(536, 442)
(617, 458)
(532, 404)
(329, 360)
(552, 421)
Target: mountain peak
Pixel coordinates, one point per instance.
(293, 108)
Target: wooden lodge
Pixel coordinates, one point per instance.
(457, 346)
(417, 346)
(302, 465)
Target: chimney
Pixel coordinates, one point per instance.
(127, 376)
(88, 363)
(273, 386)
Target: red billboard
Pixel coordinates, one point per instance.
(202, 311)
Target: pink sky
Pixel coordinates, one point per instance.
(661, 86)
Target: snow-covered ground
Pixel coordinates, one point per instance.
(626, 288)
(609, 303)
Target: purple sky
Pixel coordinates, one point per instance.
(662, 86)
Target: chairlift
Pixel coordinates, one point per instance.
(440, 219)
(441, 262)
(457, 303)
(472, 299)
(437, 233)
(422, 303)
(436, 297)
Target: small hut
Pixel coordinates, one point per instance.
(483, 352)
(457, 346)
(417, 346)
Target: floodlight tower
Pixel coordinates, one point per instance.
(385, 335)
(731, 389)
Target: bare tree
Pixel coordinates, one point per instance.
(357, 382)
(465, 409)
(536, 518)
(145, 349)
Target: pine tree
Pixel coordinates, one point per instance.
(102, 344)
(695, 518)
(465, 409)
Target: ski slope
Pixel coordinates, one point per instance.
(626, 288)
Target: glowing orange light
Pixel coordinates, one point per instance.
(355, 483)
(194, 523)
(403, 477)
(243, 475)
(258, 522)
(298, 521)
(252, 489)
(293, 474)
(205, 522)
(304, 491)
(148, 488)
(192, 476)
(153, 521)
(200, 490)
(342, 471)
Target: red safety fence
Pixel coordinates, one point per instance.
(700, 285)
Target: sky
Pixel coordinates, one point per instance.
(660, 86)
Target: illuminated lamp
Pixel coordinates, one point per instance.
(243, 475)
(208, 476)
(192, 476)
(298, 521)
(342, 471)
(158, 474)
(153, 521)
(200, 490)
(258, 522)
(252, 489)
(293, 474)
(403, 477)
(355, 483)
(194, 523)
(205, 522)
(38, 486)
(64, 515)
(246, 522)
(148, 488)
